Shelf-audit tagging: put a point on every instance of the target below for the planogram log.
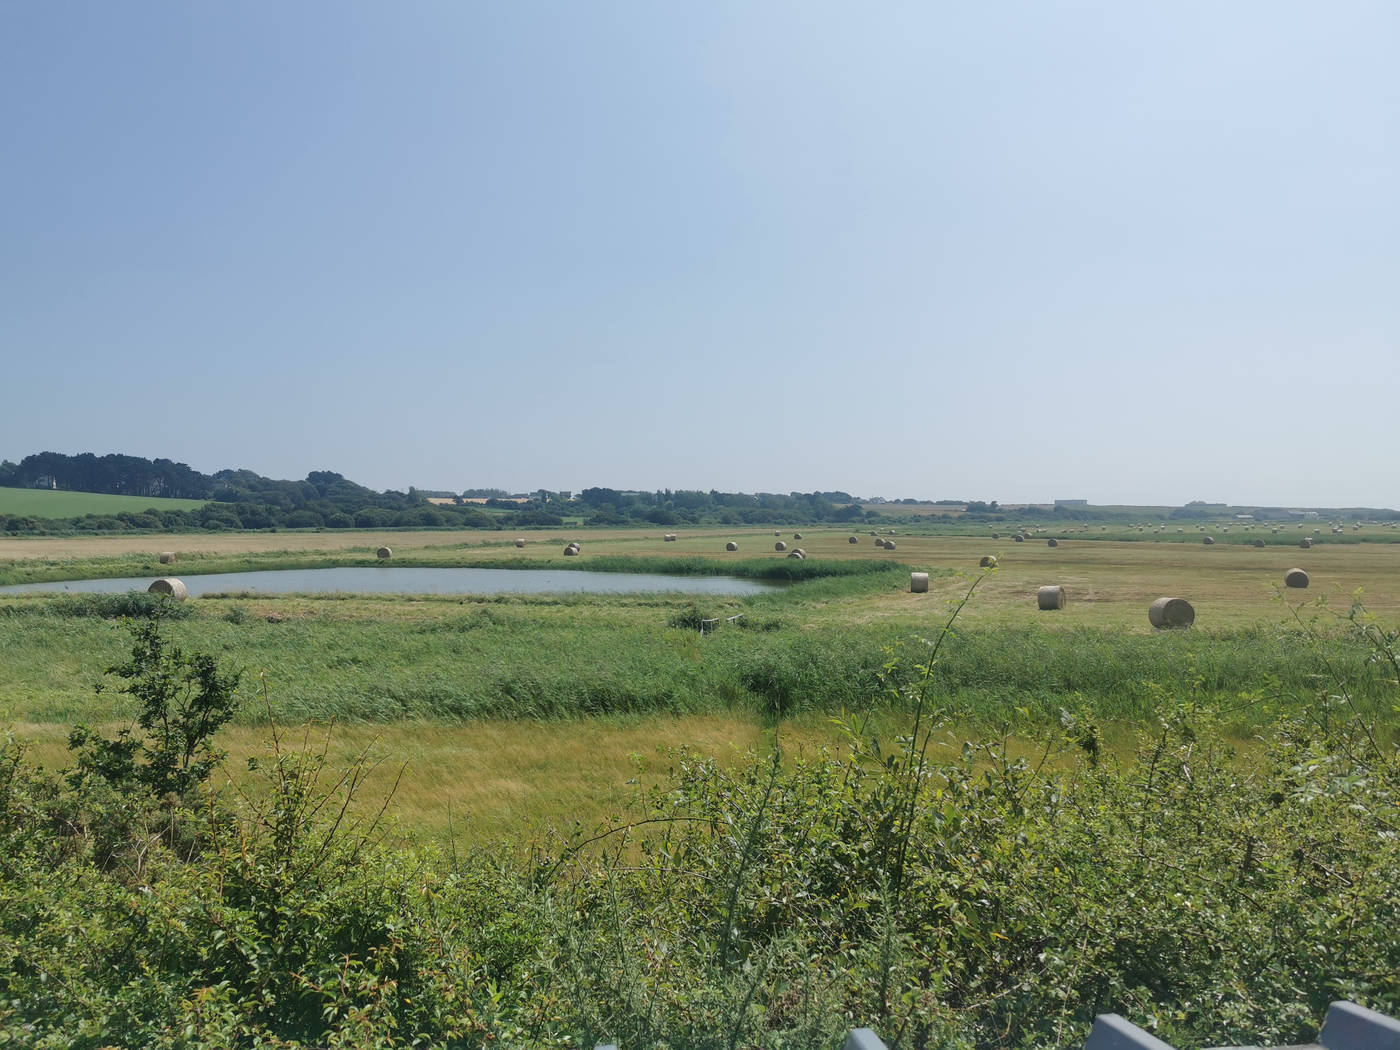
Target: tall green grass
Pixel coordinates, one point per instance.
(563, 657)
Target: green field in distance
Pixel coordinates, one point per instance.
(45, 503)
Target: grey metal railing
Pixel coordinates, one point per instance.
(1346, 1027)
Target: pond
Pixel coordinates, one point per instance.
(385, 580)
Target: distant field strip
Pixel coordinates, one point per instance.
(45, 503)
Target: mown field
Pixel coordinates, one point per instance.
(512, 709)
(45, 503)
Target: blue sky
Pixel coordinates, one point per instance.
(1139, 253)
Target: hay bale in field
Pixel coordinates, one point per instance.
(777, 533)
(996, 535)
(918, 583)
(889, 545)
(731, 546)
(1260, 543)
(670, 537)
(1171, 612)
(1052, 542)
(780, 546)
(167, 557)
(1295, 578)
(571, 551)
(797, 535)
(170, 587)
(799, 555)
(879, 542)
(854, 539)
(1208, 541)
(1305, 543)
(520, 541)
(1050, 597)
(383, 553)
(988, 561)
(1019, 538)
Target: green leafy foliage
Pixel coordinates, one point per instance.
(182, 700)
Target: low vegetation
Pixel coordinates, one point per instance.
(948, 893)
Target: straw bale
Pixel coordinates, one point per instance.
(918, 582)
(1295, 578)
(520, 541)
(1050, 597)
(1305, 543)
(1208, 541)
(1052, 542)
(854, 539)
(1171, 612)
(383, 553)
(167, 557)
(1260, 543)
(889, 545)
(731, 546)
(988, 561)
(796, 554)
(780, 546)
(571, 551)
(170, 587)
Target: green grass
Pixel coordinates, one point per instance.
(45, 503)
(450, 660)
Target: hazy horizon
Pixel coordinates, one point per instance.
(1136, 255)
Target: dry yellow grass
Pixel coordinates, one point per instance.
(491, 781)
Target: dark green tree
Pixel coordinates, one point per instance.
(183, 700)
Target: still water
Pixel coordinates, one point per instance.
(385, 580)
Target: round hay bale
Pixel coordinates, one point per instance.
(777, 533)
(170, 587)
(854, 539)
(571, 552)
(1050, 597)
(731, 546)
(383, 554)
(167, 557)
(797, 535)
(520, 541)
(889, 532)
(996, 535)
(1019, 538)
(989, 561)
(889, 545)
(1052, 542)
(1260, 543)
(879, 542)
(670, 537)
(780, 546)
(1295, 578)
(796, 554)
(1171, 612)
(1208, 541)
(1305, 543)
(918, 583)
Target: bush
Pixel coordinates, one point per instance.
(136, 604)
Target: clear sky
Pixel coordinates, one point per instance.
(1129, 252)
